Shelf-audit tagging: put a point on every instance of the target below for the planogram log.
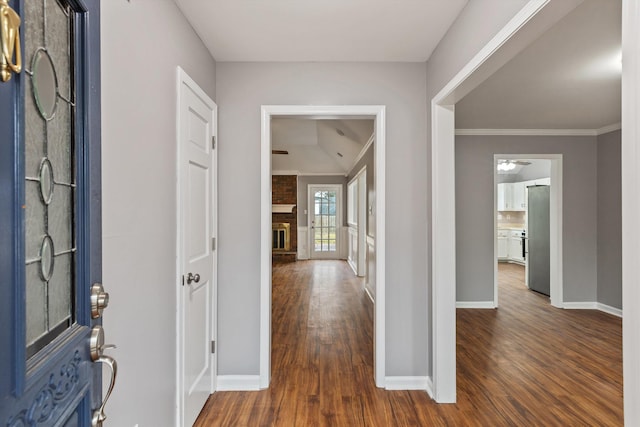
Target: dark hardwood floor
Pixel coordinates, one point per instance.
(524, 364)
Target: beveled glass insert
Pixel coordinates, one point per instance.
(36, 297)
(46, 258)
(45, 83)
(50, 171)
(46, 181)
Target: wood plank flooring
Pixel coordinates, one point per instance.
(523, 364)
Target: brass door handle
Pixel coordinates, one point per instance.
(10, 29)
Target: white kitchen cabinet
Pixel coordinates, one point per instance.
(502, 197)
(518, 196)
(512, 196)
(515, 246)
(503, 245)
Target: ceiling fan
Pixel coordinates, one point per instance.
(507, 165)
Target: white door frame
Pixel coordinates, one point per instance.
(537, 16)
(555, 210)
(311, 188)
(184, 79)
(631, 209)
(376, 112)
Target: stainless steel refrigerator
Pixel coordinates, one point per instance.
(538, 234)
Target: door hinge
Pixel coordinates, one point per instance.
(213, 243)
(183, 280)
(213, 346)
(213, 142)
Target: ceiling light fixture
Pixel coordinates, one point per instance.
(506, 166)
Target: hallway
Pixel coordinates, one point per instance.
(566, 371)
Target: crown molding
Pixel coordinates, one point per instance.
(284, 172)
(527, 132)
(363, 151)
(539, 132)
(610, 128)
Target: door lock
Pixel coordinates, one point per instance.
(193, 278)
(99, 300)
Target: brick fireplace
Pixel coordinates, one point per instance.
(284, 191)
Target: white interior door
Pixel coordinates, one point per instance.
(325, 221)
(362, 223)
(197, 161)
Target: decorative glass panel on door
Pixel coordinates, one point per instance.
(50, 173)
(325, 229)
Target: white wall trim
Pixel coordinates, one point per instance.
(377, 112)
(322, 174)
(371, 241)
(239, 383)
(631, 209)
(285, 172)
(429, 388)
(366, 291)
(407, 383)
(303, 243)
(363, 151)
(610, 128)
(475, 304)
(592, 305)
(538, 132)
(500, 49)
(609, 309)
(580, 305)
(528, 132)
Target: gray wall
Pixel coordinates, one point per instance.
(478, 22)
(303, 194)
(474, 211)
(609, 220)
(241, 89)
(142, 43)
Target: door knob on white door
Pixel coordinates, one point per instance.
(193, 278)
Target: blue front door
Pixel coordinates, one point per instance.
(50, 214)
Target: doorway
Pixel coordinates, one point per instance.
(511, 239)
(377, 113)
(325, 221)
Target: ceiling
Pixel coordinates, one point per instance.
(327, 30)
(570, 78)
(318, 146)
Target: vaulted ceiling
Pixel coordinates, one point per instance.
(318, 146)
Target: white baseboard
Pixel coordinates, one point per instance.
(611, 310)
(430, 387)
(406, 383)
(353, 266)
(366, 290)
(581, 305)
(475, 304)
(238, 383)
(591, 305)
